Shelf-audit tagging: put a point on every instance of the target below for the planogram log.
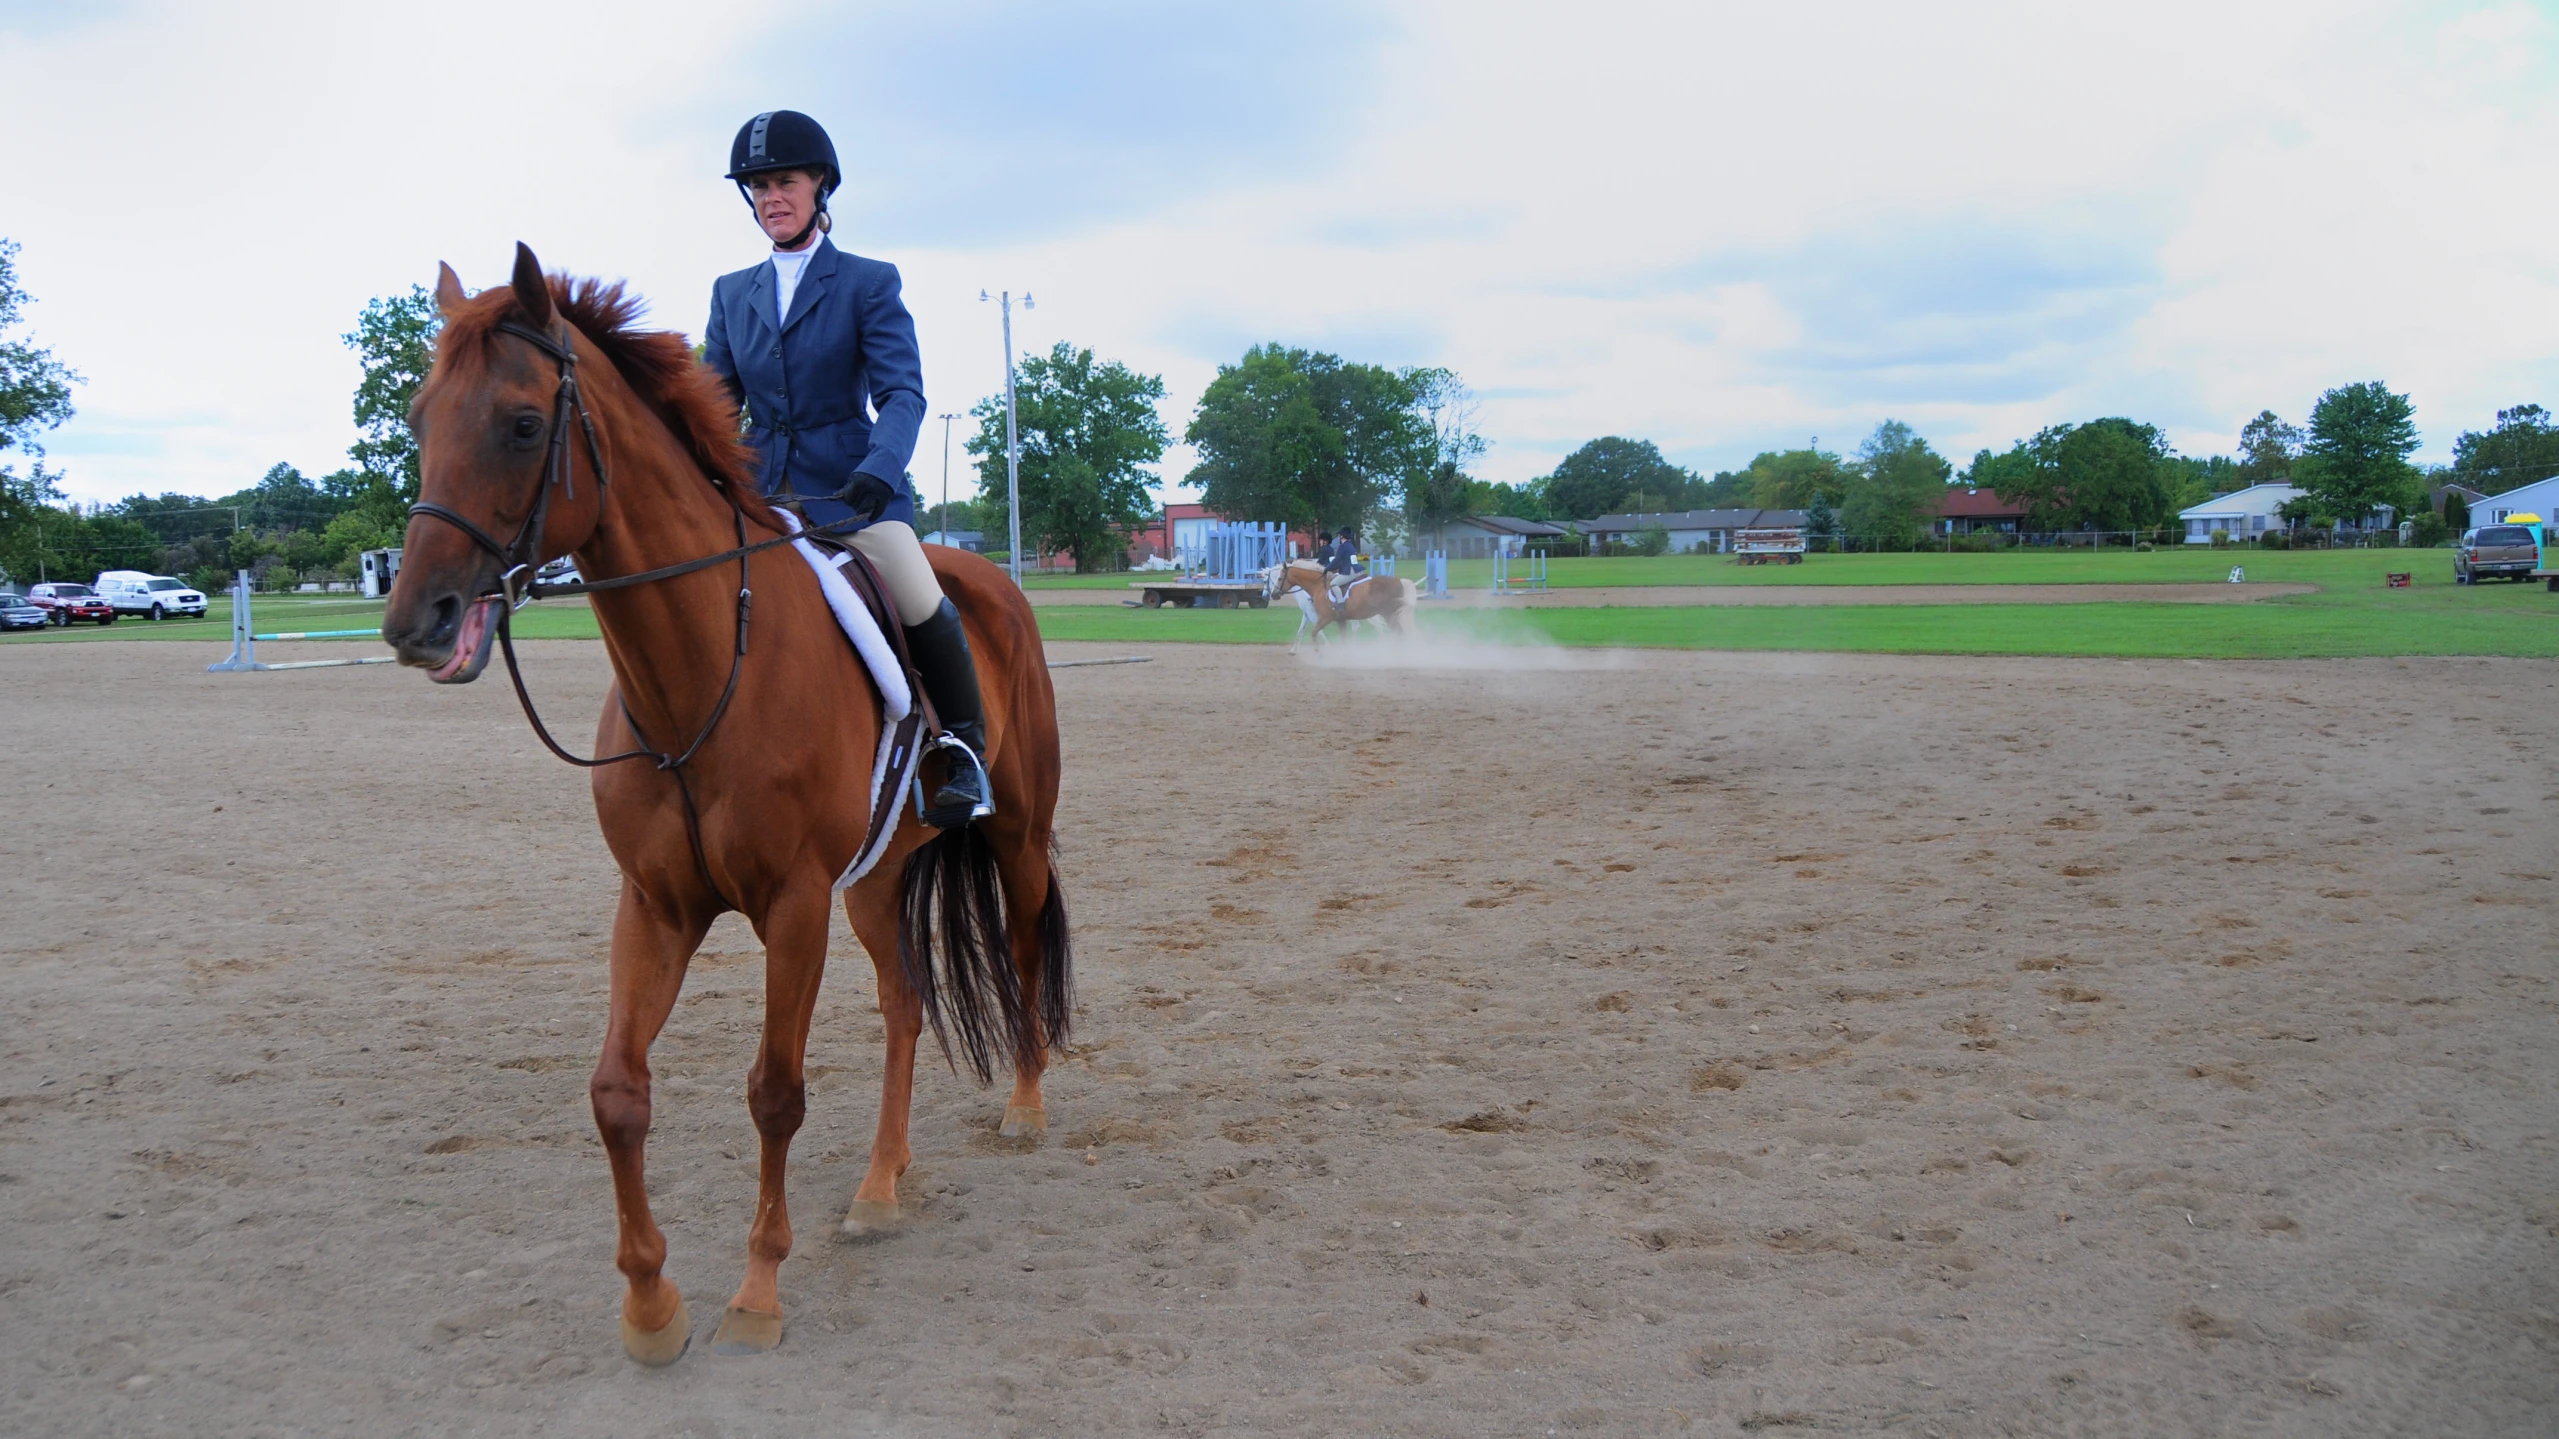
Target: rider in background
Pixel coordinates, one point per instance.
(1341, 563)
(812, 342)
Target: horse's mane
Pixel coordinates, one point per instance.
(658, 366)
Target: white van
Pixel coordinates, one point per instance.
(134, 593)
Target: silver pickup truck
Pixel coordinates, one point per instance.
(2504, 550)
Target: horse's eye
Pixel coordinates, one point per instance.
(527, 427)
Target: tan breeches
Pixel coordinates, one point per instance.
(893, 550)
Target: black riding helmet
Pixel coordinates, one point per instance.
(785, 140)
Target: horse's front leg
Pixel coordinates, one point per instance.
(650, 951)
(794, 935)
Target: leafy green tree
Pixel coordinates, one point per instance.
(1790, 479)
(35, 388)
(1089, 432)
(1308, 439)
(2192, 481)
(1443, 490)
(395, 338)
(35, 396)
(2524, 447)
(2002, 471)
(1520, 502)
(2267, 449)
(2108, 474)
(1894, 487)
(2356, 459)
(1729, 490)
(1614, 475)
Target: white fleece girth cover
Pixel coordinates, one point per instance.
(886, 676)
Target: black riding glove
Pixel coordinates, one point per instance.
(869, 495)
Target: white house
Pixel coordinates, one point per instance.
(1478, 537)
(2241, 514)
(2541, 497)
(2249, 513)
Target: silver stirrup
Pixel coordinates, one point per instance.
(985, 783)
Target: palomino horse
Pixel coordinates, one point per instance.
(755, 793)
(1377, 597)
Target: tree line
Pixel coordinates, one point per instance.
(1320, 442)
(1291, 434)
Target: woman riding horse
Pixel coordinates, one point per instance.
(803, 339)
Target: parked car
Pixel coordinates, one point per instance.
(134, 593)
(16, 613)
(65, 602)
(2505, 550)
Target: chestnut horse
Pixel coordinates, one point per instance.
(549, 417)
(1377, 597)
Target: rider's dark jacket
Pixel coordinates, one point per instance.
(1341, 559)
(811, 381)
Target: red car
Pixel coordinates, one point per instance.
(64, 603)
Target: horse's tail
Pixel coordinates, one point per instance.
(1057, 964)
(951, 904)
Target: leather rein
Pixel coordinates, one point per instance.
(517, 582)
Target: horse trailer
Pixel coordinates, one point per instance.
(379, 569)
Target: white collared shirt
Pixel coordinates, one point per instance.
(788, 266)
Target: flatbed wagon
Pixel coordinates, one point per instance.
(1202, 594)
(1768, 547)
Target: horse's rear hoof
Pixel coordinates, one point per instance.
(865, 1218)
(1022, 1121)
(744, 1331)
(665, 1346)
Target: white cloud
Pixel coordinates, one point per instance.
(1719, 229)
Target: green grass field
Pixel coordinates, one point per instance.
(2009, 567)
(2353, 613)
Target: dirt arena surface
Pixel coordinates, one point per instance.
(1669, 596)
(1659, 1044)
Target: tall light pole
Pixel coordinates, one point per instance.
(1012, 439)
(946, 477)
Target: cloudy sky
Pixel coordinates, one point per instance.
(1722, 228)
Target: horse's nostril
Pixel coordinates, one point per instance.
(448, 615)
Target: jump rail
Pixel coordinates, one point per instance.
(244, 641)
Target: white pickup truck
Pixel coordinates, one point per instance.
(134, 593)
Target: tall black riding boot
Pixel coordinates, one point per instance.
(941, 650)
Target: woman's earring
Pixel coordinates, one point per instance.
(825, 223)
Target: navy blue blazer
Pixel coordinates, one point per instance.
(811, 381)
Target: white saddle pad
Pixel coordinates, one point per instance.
(887, 677)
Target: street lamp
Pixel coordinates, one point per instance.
(946, 476)
(1012, 437)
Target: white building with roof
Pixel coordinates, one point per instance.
(2241, 514)
(2247, 514)
(2541, 497)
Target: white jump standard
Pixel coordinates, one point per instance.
(244, 640)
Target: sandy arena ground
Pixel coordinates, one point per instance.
(1661, 596)
(1657, 1044)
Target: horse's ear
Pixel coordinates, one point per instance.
(448, 288)
(532, 292)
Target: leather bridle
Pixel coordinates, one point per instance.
(518, 584)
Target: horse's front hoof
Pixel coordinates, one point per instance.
(744, 1331)
(868, 1218)
(1024, 1121)
(663, 1346)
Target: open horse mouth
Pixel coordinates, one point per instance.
(470, 644)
